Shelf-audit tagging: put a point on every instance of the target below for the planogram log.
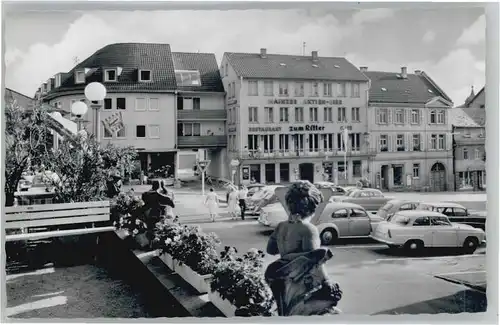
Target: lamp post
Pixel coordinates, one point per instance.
(79, 109)
(345, 133)
(96, 92)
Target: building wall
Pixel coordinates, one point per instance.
(164, 118)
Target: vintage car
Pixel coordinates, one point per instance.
(416, 229)
(337, 190)
(393, 206)
(252, 189)
(456, 213)
(370, 199)
(261, 198)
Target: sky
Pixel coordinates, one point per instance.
(448, 43)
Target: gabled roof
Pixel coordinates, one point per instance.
(459, 118)
(206, 64)
(130, 57)
(387, 87)
(25, 102)
(477, 113)
(277, 66)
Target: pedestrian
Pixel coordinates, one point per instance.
(242, 196)
(154, 205)
(212, 202)
(169, 210)
(232, 203)
(114, 184)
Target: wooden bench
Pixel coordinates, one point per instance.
(44, 221)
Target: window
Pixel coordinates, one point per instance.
(400, 116)
(121, 103)
(415, 116)
(299, 114)
(440, 221)
(313, 142)
(466, 133)
(356, 168)
(341, 116)
(79, 78)
(342, 89)
(358, 213)
(313, 114)
(140, 104)
(400, 142)
(383, 142)
(459, 212)
(283, 89)
(407, 207)
(229, 92)
(315, 89)
(441, 142)
(476, 154)
(196, 103)
(108, 103)
(122, 133)
(226, 70)
(187, 78)
(57, 82)
(433, 117)
(107, 134)
(140, 131)
(466, 153)
(416, 142)
(328, 142)
(268, 115)
(253, 116)
(355, 90)
(110, 75)
(253, 88)
(268, 88)
(144, 75)
(440, 117)
(355, 114)
(327, 89)
(154, 131)
(154, 104)
(299, 89)
(433, 141)
(340, 142)
(284, 114)
(382, 116)
(283, 142)
(328, 114)
(422, 221)
(268, 142)
(416, 170)
(340, 214)
(253, 142)
(191, 129)
(355, 141)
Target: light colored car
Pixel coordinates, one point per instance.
(393, 206)
(261, 198)
(456, 213)
(417, 229)
(337, 190)
(369, 198)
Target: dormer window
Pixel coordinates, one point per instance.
(144, 75)
(79, 76)
(58, 80)
(187, 78)
(44, 87)
(110, 75)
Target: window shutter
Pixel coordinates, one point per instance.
(422, 142)
(429, 116)
(410, 141)
(378, 142)
(421, 115)
(377, 116)
(449, 142)
(389, 116)
(405, 115)
(429, 137)
(407, 146)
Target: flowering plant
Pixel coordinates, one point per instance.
(188, 245)
(126, 204)
(240, 281)
(133, 226)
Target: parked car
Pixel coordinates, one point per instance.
(416, 229)
(337, 190)
(370, 199)
(252, 189)
(393, 206)
(456, 213)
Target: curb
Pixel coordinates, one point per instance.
(471, 286)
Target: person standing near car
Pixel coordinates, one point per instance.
(242, 196)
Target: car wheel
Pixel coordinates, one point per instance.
(328, 236)
(470, 245)
(414, 246)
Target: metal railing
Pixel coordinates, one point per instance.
(277, 154)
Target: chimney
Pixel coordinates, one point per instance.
(363, 69)
(315, 56)
(418, 71)
(404, 73)
(263, 53)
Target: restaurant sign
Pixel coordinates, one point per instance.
(286, 101)
(310, 127)
(264, 129)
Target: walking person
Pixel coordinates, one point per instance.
(169, 210)
(232, 203)
(242, 196)
(154, 205)
(212, 202)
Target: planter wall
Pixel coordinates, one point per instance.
(168, 260)
(197, 281)
(228, 309)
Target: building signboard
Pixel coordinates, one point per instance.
(264, 129)
(287, 101)
(349, 127)
(231, 130)
(310, 127)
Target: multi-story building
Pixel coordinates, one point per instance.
(286, 116)
(161, 96)
(410, 130)
(469, 142)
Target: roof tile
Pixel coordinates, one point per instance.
(459, 118)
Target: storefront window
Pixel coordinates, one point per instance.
(356, 168)
(255, 173)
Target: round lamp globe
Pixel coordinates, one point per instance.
(95, 91)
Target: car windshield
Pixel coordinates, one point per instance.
(400, 220)
(352, 193)
(387, 207)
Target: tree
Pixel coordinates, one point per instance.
(25, 142)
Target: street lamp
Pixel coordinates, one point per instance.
(96, 92)
(79, 109)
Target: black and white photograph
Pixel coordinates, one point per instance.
(246, 159)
